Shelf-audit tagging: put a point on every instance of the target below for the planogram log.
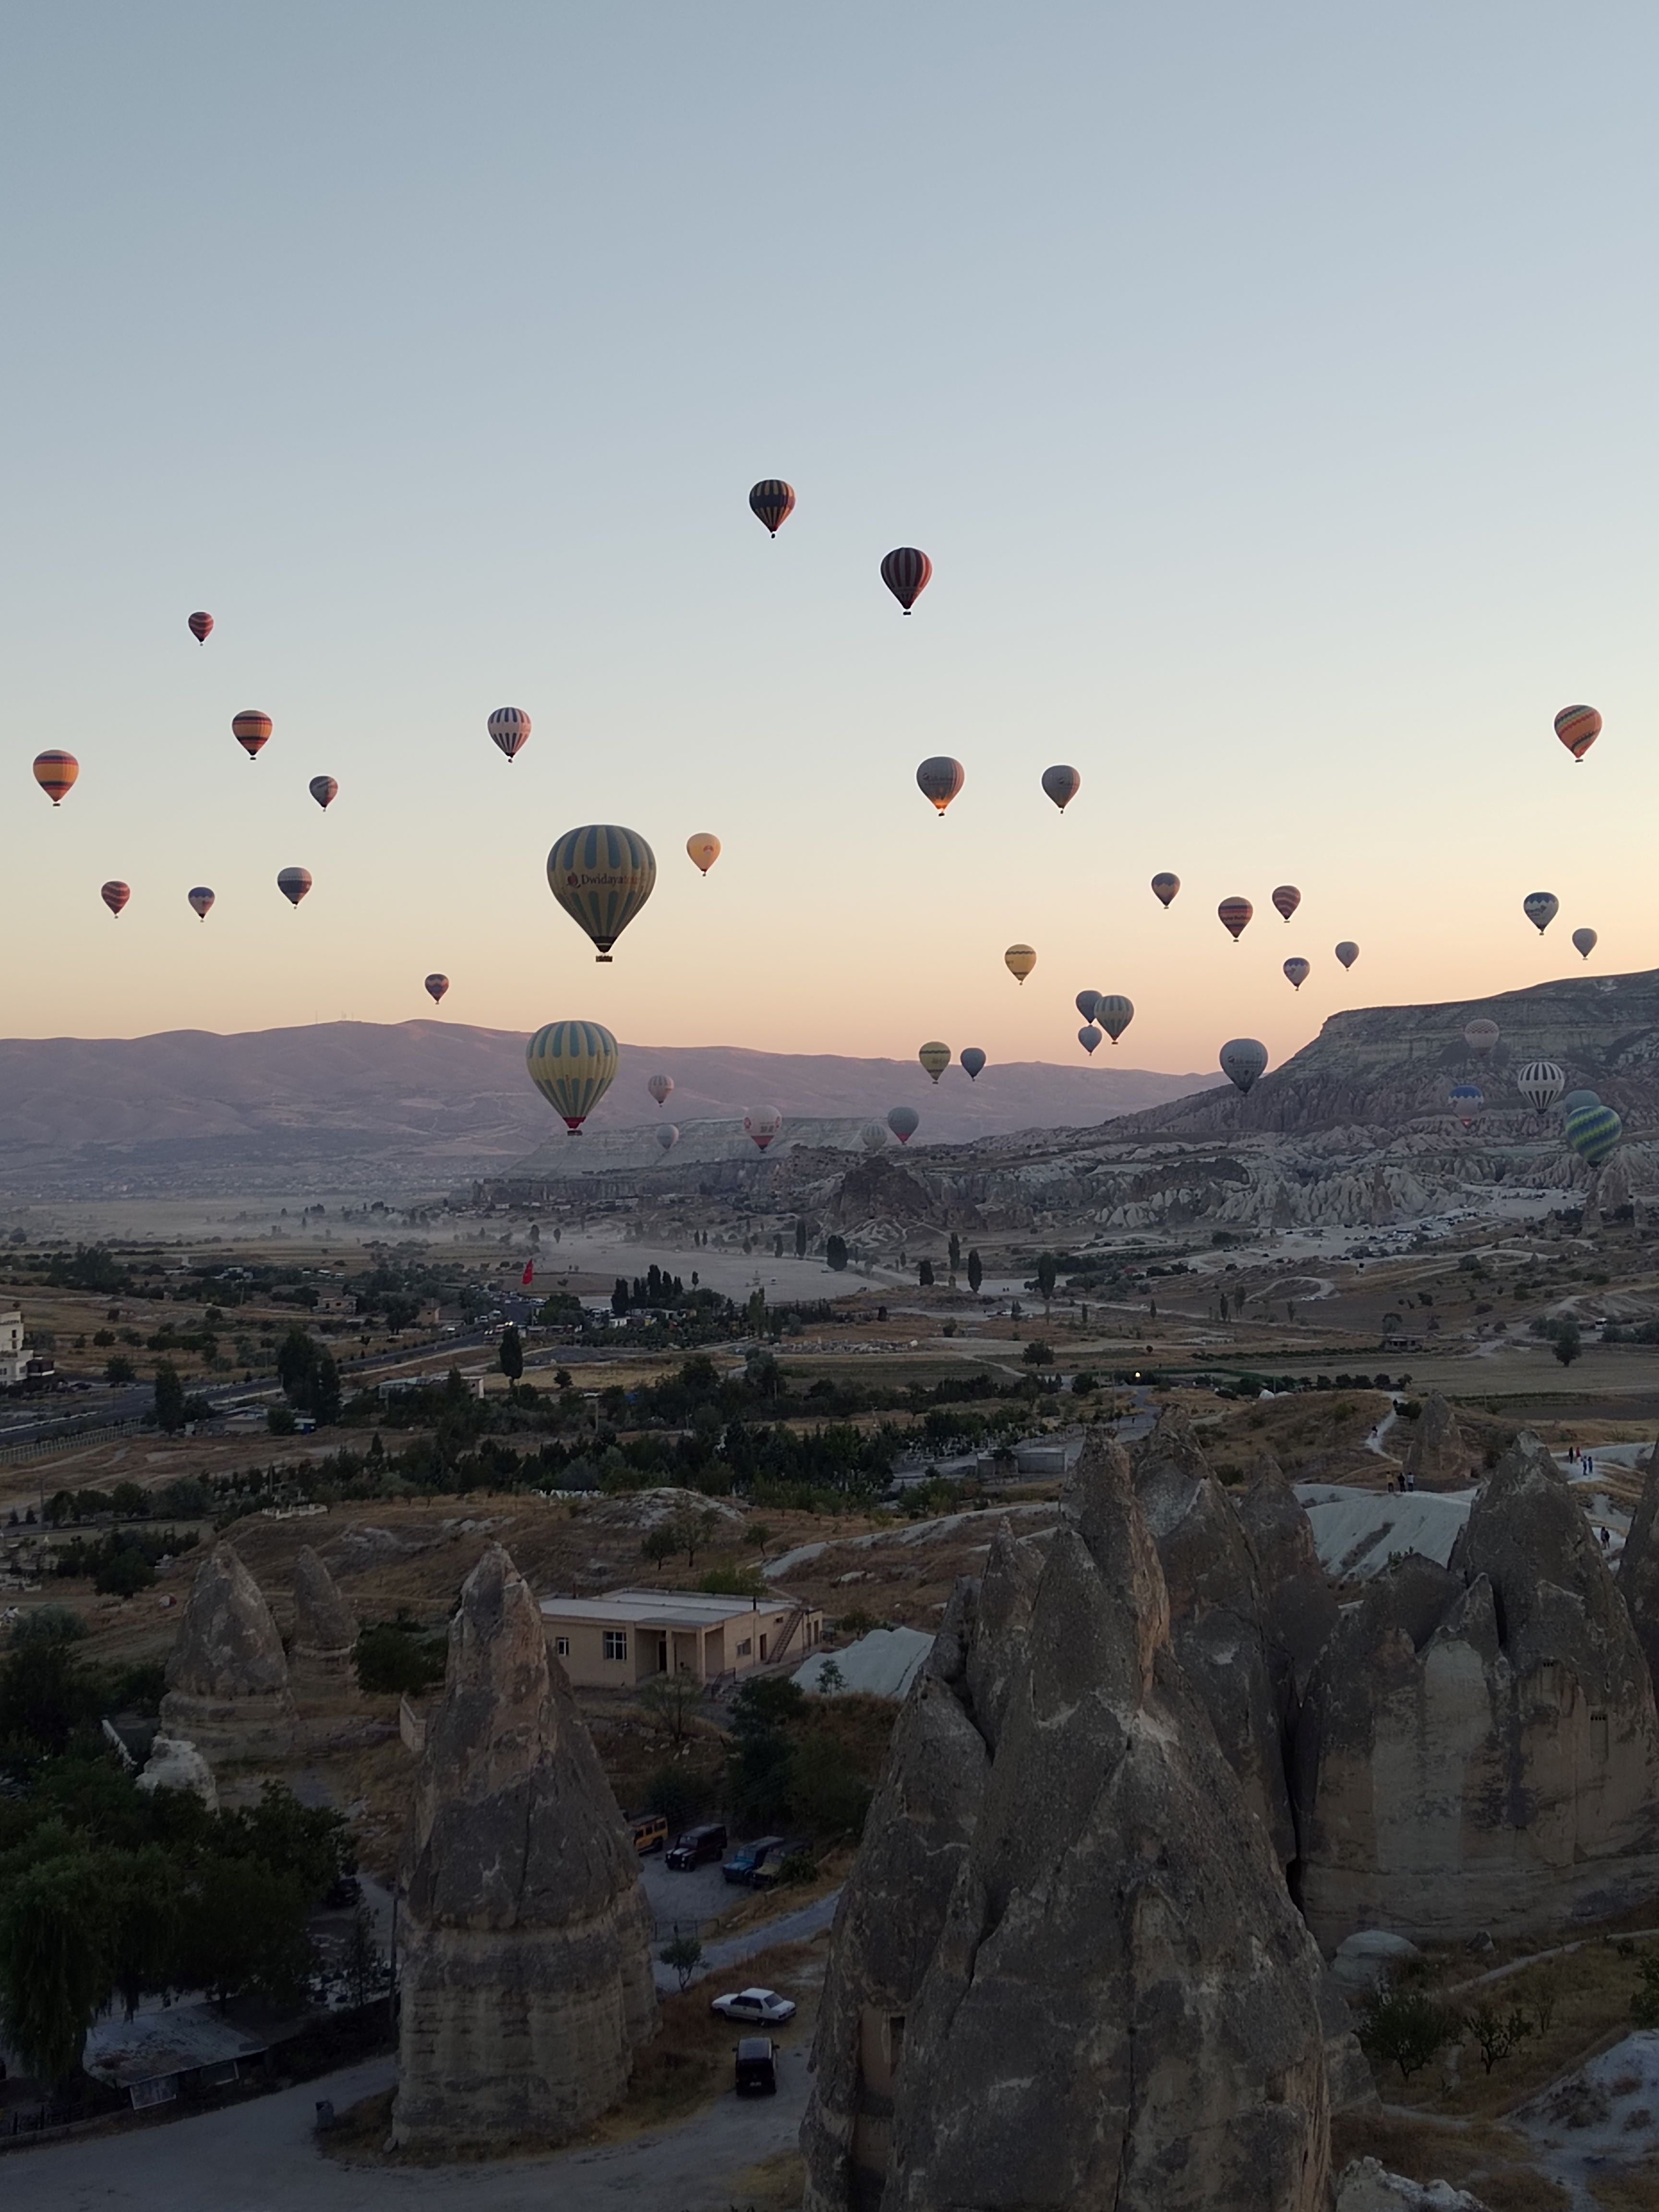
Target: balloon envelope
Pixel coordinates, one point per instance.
(510, 728)
(1235, 914)
(1164, 888)
(761, 1123)
(1540, 1083)
(55, 772)
(1578, 727)
(1592, 1131)
(904, 1122)
(573, 1064)
(667, 1136)
(1287, 898)
(200, 899)
(1114, 1013)
(434, 988)
(201, 628)
(323, 790)
(939, 780)
(1297, 971)
(1062, 786)
(935, 1058)
(1088, 1037)
(704, 847)
(772, 501)
(602, 875)
(1575, 1099)
(1019, 960)
(1541, 908)
(905, 571)
(660, 1087)
(972, 1060)
(1480, 1035)
(115, 896)
(250, 729)
(293, 884)
(874, 1136)
(1584, 942)
(1242, 1061)
(1466, 1100)
(1085, 1002)
(1347, 952)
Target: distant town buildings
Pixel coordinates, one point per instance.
(18, 1364)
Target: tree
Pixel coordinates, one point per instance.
(119, 1368)
(834, 1254)
(955, 1252)
(1038, 1354)
(1497, 2033)
(512, 1353)
(1405, 2028)
(619, 1299)
(925, 1274)
(800, 1239)
(671, 1703)
(245, 1930)
(975, 1272)
(309, 1375)
(676, 1794)
(684, 1956)
(55, 1976)
(659, 1545)
(1645, 2005)
(128, 1502)
(1047, 1271)
(169, 1399)
(123, 1571)
(45, 1696)
(1569, 1340)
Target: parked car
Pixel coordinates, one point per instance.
(765, 2006)
(650, 1832)
(757, 2067)
(740, 1866)
(696, 1846)
(770, 1869)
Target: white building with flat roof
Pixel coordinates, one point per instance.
(13, 1360)
(628, 1636)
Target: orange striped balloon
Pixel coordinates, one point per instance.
(1234, 914)
(906, 571)
(1578, 727)
(293, 884)
(55, 772)
(772, 501)
(1287, 898)
(115, 896)
(250, 729)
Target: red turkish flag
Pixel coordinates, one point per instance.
(529, 1275)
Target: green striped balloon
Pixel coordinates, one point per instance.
(573, 1064)
(602, 875)
(1592, 1131)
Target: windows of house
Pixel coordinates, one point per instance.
(745, 1647)
(562, 1647)
(615, 1643)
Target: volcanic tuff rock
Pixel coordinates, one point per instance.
(1436, 1458)
(1298, 1609)
(1638, 1568)
(525, 1962)
(324, 1628)
(174, 1764)
(1478, 1749)
(227, 1687)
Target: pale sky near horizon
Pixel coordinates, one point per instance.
(1272, 389)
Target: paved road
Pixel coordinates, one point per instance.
(262, 2157)
(718, 1959)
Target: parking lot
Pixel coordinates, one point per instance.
(689, 1900)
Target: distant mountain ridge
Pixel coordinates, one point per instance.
(420, 1105)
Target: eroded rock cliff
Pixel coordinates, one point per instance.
(226, 1677)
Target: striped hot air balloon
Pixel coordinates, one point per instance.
(772, 501)
(971, 1059)
(323, 790)
(1296, 972)
(201, 899)
(434, 986)
(510, 727)
(1019, 960)
(1592, 1131)
(935, 1058)
(1234, 914)
(1062, 784)
(704, 847)
(1578, 727)
(602, 875)
(1540, 1083)
(250, 729)
(761, 1124)
(873, 1137)
(1164, 888)
(904, 1122)
(573, 1064)
(201, 628)
(661, 1088)
(55, 772)
(115, 895)
(1287, 898)
(293, 884)
(1114, 1013)
(939, 780)
(906, 572)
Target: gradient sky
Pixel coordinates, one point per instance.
(1274, 390)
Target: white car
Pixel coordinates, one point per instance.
(765, 2006)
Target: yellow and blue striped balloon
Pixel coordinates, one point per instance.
(1592, 1131)
(573, 1064)
(602, 875)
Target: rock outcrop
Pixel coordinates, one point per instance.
(321, 1657)
(226, 1678)
(1436, 1458)
(1638, 1570)
(525, 1969)
(1121, 2006)
(1298, 1607)
(1479, 1749)
(175, 1764)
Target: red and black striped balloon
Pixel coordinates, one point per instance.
(905, 572)
(772, 501)
(200, 625)
(250, 729)
(1235, 914)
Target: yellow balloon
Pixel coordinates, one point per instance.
(1019, 959)
(935, 1058)
(704, 849)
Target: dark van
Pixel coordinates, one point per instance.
(740, 1866)
(757, 2067)
(696, 1847)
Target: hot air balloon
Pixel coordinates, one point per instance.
(935, 1058)
(1584, 942)
(906, 572)
(1540, 1083)
(971, 1059)
(115, 895)
(1575, 1099)
(1541, 908)
(873, 1137)
(200, 626)
(510, 728)
(434, 986)
(667, 1136)
(1019, 960)
(1578, 727)
(601, 875)
(55, 772)
(772, 501)
(904, 1122)
(1480, 1035)
(1592, 1131)
(1085, 1002)
(323, 790)
(661, 1088)
(293, 884)
(1114, 1013)
(1287, 898)
(573, 1064)
(1347, 952)
(1062, 786)
(1234, 914)
(939, 780)
(704, 847)
(1088, 1037)
(1296, 972)
(762, 1124)
(200, 899)
(1466, 1100)
(1242, 1060)
(250, 729)
(1164, 888)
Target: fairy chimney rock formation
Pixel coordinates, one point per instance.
(226, 1678)
(321, 1656)
(1123, 2006)
(1437, 1457)
(1638, 1568)
(526, 1967)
